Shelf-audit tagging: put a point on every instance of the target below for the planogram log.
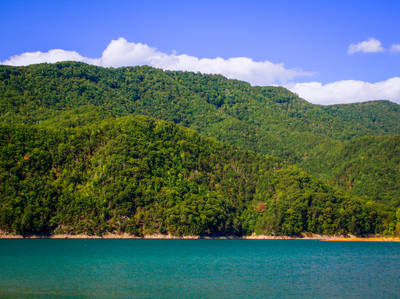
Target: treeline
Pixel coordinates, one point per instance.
(140, 175)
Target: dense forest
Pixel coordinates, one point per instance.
(84, 149)
(367, 166)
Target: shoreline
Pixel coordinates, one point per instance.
(328, 238)
(366, 239)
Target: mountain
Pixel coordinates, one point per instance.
(76, 157)
(266, 119)
(366, 166)
(140, 175)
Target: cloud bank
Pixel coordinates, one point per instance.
(348, 91)
(120, 52)
(369, 46)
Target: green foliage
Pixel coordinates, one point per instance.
(140, 175)
(266, 119)
(368, 167)
(74, 159)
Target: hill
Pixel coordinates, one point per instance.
(266, 119)
(140, 175)
(47, 102)
(366, 166)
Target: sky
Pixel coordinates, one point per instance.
(326, 51)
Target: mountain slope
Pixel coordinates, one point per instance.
(367, 166)
(266, 119)
(323, 140)
(140, 175)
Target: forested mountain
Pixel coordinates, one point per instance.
(139, 175)
(266, 119)
(75, 159)
(367, 166)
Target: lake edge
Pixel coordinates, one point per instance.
(334, 238)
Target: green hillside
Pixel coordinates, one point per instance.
(139, 175)
(77, 158)
(267, 119)
(366, 166)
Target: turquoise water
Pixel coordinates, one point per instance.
(198, 269)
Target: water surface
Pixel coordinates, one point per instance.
(198, 269)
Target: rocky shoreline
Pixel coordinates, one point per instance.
(193, 237)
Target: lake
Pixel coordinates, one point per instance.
(47, 268)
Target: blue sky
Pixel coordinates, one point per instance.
(311, 38)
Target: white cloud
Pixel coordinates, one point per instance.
(51, 56)
(395, 48)
(348, 91)
(369, 46)
(120, 52)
